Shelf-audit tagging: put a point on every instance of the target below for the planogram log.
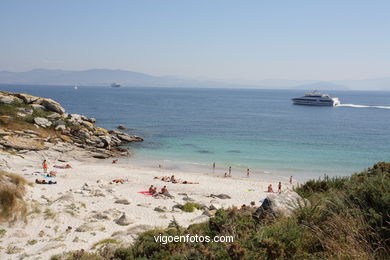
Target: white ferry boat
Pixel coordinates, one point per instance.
(115, 85)
(316, 99)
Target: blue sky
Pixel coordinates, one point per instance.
(322, 40)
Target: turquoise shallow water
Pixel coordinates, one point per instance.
(259, 129)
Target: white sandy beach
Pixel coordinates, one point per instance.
(84, 199)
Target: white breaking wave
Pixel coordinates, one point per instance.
(363, 106)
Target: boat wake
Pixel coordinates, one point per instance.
(363, 106)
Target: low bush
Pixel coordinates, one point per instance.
(12, 190)
(191, 207)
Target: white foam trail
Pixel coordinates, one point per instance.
(363, 106)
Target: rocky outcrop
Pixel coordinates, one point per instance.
(278, 205)
(42, 122)
(71, 128)
(6, 99)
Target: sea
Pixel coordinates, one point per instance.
(259, 129)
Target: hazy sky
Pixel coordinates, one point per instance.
(291, 39)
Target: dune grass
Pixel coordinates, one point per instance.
(12, 190)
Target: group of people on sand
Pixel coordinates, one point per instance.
(153, 190)
(229, 172)
(270, 189)
(45, 167)
(164, 192)
(174, 180)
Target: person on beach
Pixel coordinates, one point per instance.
(270, 189)
(247, 172)
(44, 165)
(213, 167)
(290, 179)
(230, 170)
(173, 179)
(114, 161)
(280, 187)
(151, 189)
(225, 175)
(166, 178)
(164, 190)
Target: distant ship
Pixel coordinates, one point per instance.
(316, 99)
(115, 85)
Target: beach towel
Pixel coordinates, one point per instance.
(45, 176)
(145, 192)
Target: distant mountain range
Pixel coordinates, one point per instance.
(104, 77)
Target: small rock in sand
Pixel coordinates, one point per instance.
(209, 213)
(188, 199)
(145, 205)
(122, 201)
(160, 209)
(123, 220)
(212, 207)
(220, 196)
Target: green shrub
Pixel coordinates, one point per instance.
(191, 207)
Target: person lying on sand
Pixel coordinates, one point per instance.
(166, 178)
(44, 182)
(119, 181)
(67, 166)
(173, 179)
(189, 182)
(163, 178)
(270, 188)
(52, 174)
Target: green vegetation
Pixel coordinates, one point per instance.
(342, 218)
(191, 207)
(105, 242)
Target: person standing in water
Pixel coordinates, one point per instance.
(213, 167)
(44, 165)
(280, 187)
(247, 172)
(230, 170)
(290, 179)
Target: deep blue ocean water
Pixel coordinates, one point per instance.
(259, 129)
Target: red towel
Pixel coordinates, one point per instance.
(145, 192)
